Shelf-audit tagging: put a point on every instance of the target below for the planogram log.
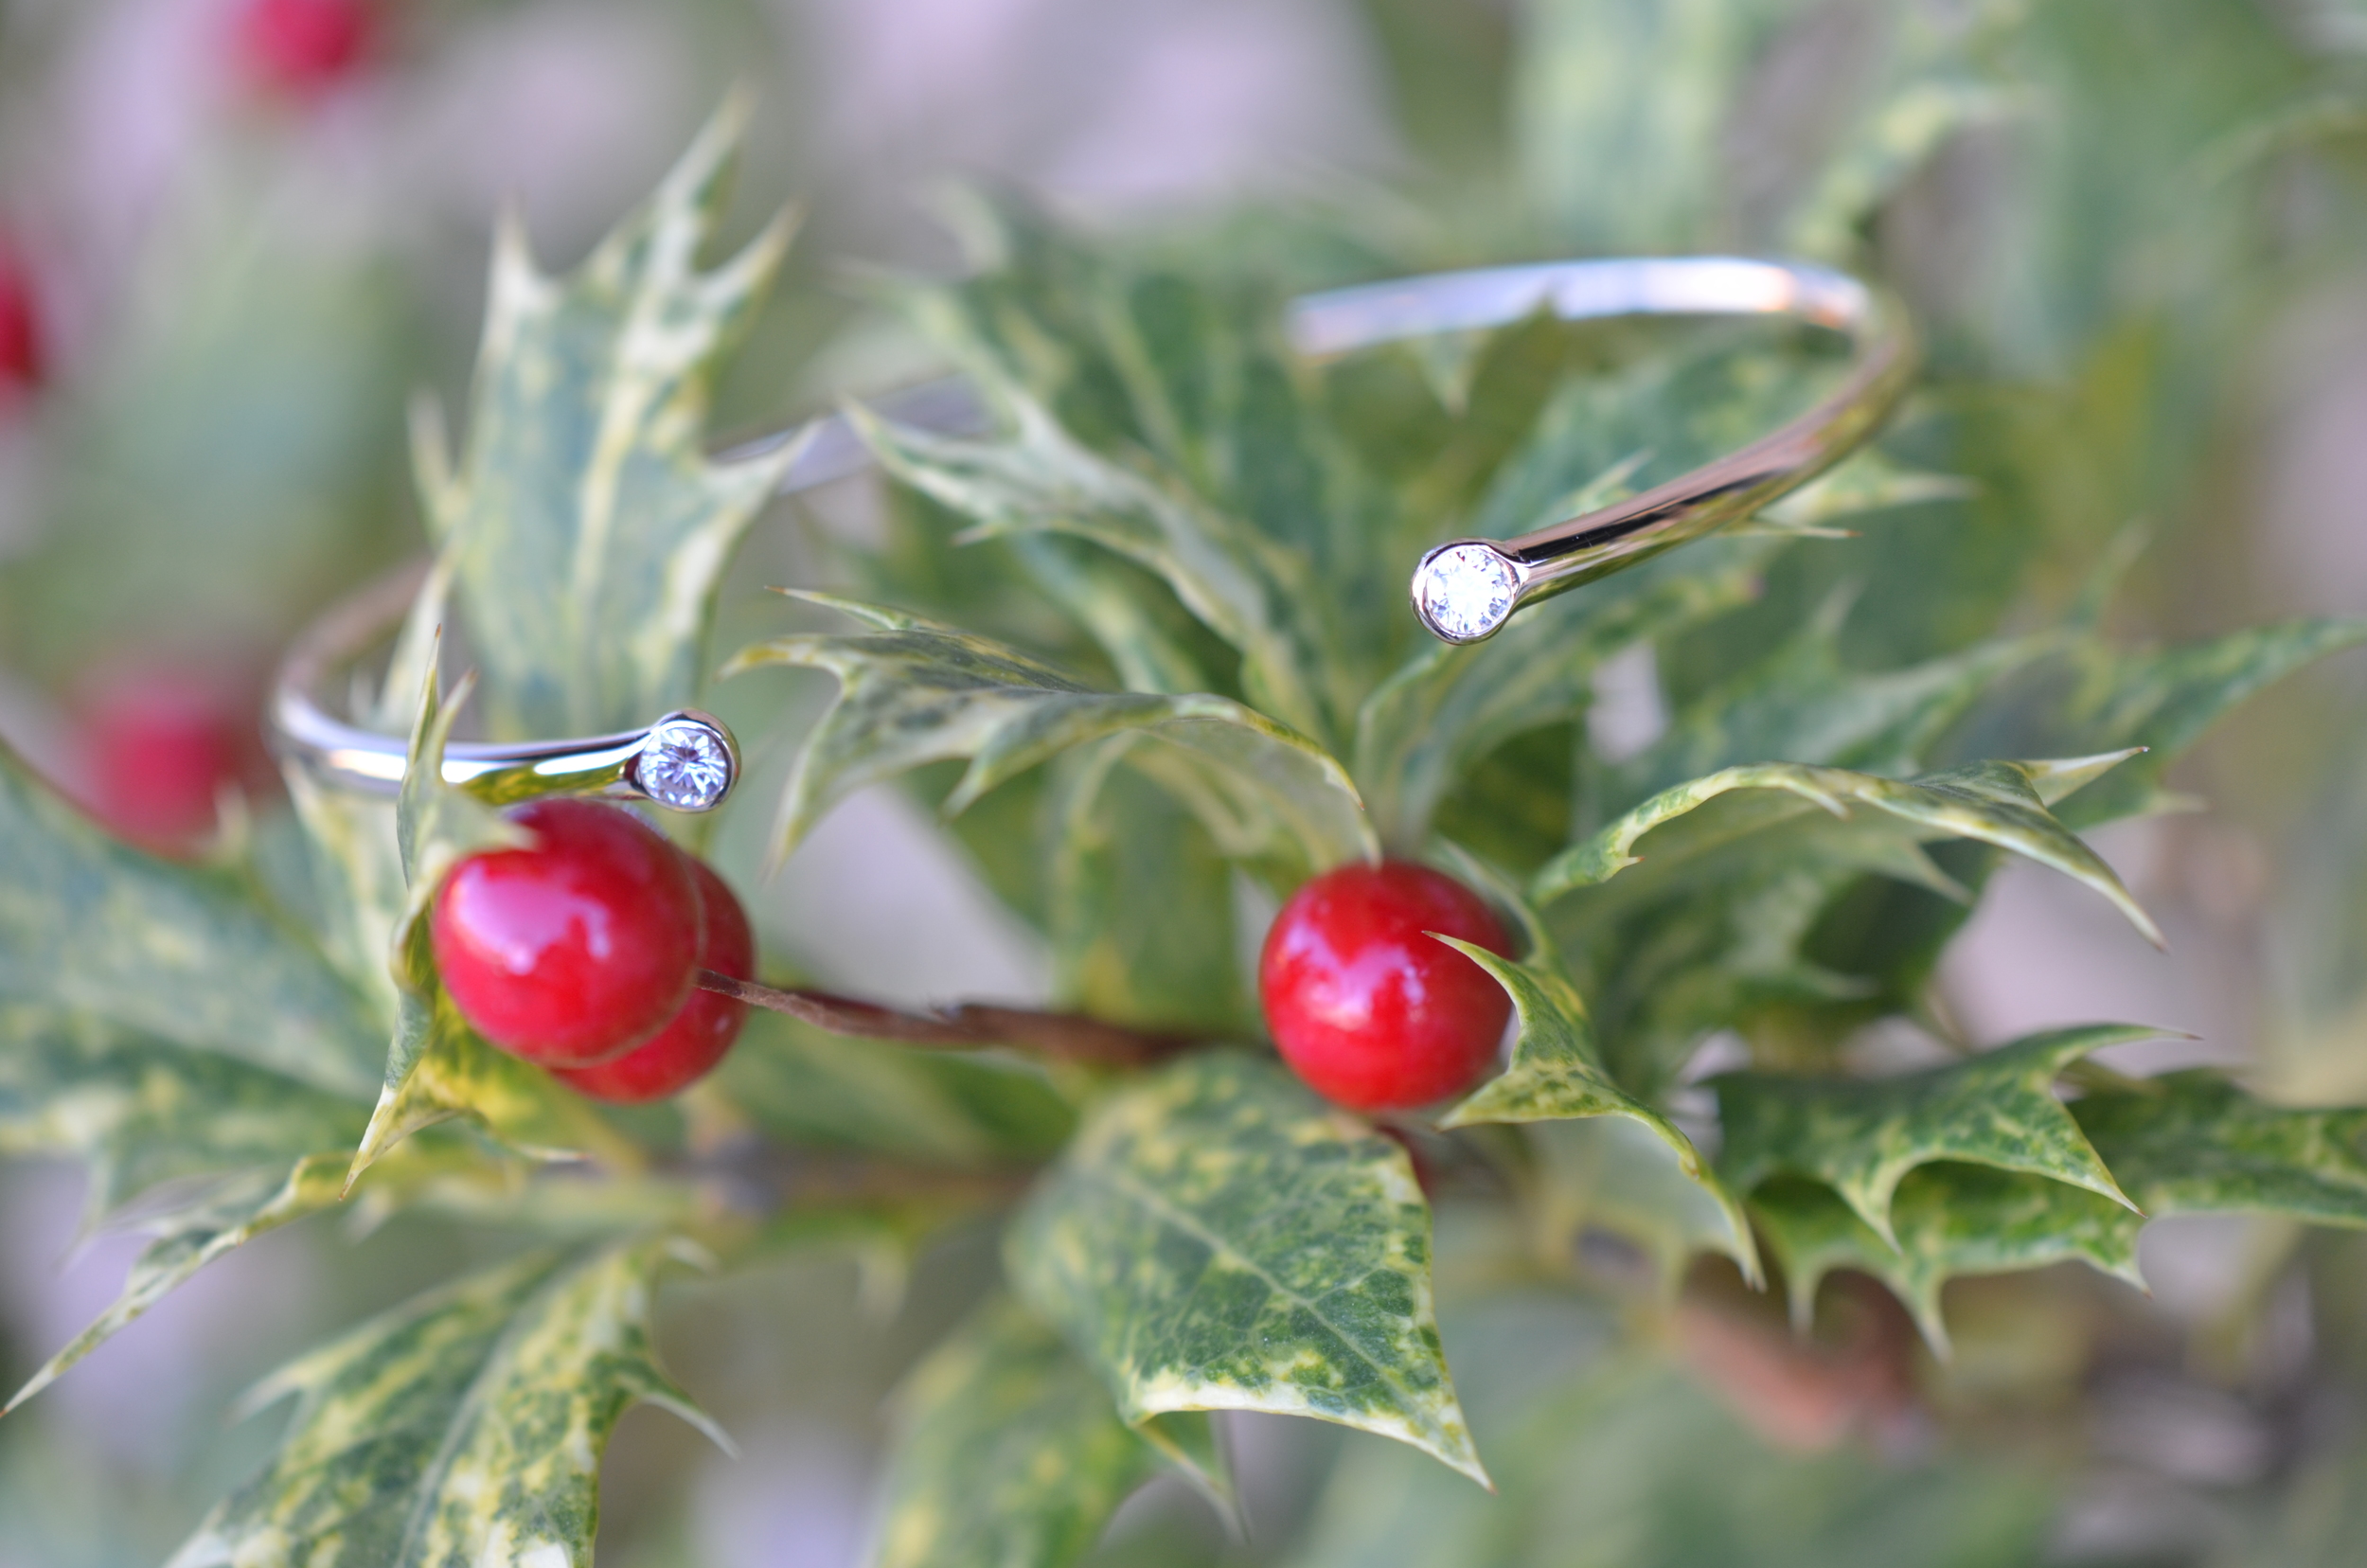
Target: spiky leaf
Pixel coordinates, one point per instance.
(1950, 1220)
(588, 527)
(99, 930)
(1255, 594)
(1449, 707)
(1860, 1136)
(465, 1427)
(1998, 803)
(1218, 1238)
(1557, 1075)
(2165, 699)
(1008, 1452)
(2194, 1142)
(912, 691)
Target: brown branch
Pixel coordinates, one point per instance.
(973, 1025)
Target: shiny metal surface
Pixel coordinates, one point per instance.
(1337, 322)
(1554, 558)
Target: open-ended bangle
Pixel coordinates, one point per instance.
(1464, 589)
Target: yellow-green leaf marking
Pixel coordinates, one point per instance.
(1860, 1136)
(463, 1430)
(1951, 1219)
(1008, 1452)
(2194, 1142)
(912, 691)
(1998, 803)
(1557, 1075)
(1218, 1238)
(587, 526)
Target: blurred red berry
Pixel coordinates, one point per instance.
(158, 746)
(1370, 1009)
(577, 947)
(22, 354)
(687, 1048)
(304, 46)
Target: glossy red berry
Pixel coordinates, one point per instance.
(23, 352)
(1373, 1012)
(687, 1048)
(304, 46)
(577, 949)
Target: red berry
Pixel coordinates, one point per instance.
(303, 47)
(23, 355)
(574, 950)
(158, 747)
(1370, 1010)
(687, 1048)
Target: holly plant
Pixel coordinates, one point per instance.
(1140, 639)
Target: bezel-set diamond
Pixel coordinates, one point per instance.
(686, 764)
(1464, 591)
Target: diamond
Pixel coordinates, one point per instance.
(684, 764)
(1466, 591)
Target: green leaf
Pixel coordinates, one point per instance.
(1253, 592)
(1800, 705)
(1998, 803)
(912, 691)
(1951, 1219)
(2193, 1143)
(1009, 1452)
(463, 1427)
(2163, 700)
(1860, 1136)
(1557, 1075)
(97, 929)
(588, 527)
(437, 1067)
(1446, 709)
(1142, 920)
(192, 1234)
(1218, 1238)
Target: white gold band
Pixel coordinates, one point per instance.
(1464, 589)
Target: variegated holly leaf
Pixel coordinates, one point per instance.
(1218, 1238)
(587, 528)
(2165, 699)
(912, 691)
(99, 930)
(1140, 901)
(1860, 1136)
(1950, 1220)
(463, 1427)
(1448, 707)
(1008, 1450)
(193, 1233)
(2194, 1142)
(1800, 705)
(1557, 1075)
(1998, 803)
(1252, 591)
(436, 1066)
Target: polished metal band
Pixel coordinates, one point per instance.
(687, 761)
(1464, 589)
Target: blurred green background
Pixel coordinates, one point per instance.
(238, 235)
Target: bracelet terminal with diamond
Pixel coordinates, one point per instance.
(1464, 589)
